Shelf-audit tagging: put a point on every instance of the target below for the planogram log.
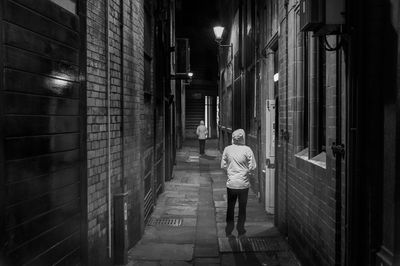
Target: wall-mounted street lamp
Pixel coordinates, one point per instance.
(189, 80)
(218, 32)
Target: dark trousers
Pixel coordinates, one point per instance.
(233, 195)
(202, 143)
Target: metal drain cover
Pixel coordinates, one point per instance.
(249, 244)
(165, 221)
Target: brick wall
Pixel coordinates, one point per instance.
(306, 188)
(133, 122)
(97, 129)
(123, 162)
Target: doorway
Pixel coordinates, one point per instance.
(271, 114)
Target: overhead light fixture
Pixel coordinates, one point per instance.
(218, 31)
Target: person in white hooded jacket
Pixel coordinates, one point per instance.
(202, 132)
(239, 162)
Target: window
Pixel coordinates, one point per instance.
(321, 96)
(228, 107)
(148, 112)
(250, 102)
(147, 50)
(310, 80)
(312, 111)
(250, 34)
(272, 11)
(250, 66)
(207, 115)
(276, 70)
(305, 88)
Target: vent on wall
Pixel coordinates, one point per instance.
(322, 16)
(311, 14)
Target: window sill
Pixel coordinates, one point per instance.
(319, 160)
(303, 154)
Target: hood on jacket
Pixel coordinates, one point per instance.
(238, 137)
(202, 122)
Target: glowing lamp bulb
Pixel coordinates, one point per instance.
(218, 31)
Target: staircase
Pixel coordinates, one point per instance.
(195, 109)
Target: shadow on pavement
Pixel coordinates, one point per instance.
(208, 157)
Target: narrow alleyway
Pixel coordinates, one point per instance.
(187, 225)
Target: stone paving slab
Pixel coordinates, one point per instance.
(249, 259)
(189, 222)
(175, 263)
(206, 251)
(164, 251)
(180, 201)
(287, 258)
(253, 229)
(169, 234)
(158, 263)
(143, 263)
(220, 204)
(181, 210)
(220, 216)
(207, 261)
(252, 244)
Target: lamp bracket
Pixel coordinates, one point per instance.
(229, 46)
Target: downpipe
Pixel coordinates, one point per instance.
(108, 127)
(338, 230)
(286, 133)
(122, 93)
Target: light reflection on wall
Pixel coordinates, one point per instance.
(57, 83)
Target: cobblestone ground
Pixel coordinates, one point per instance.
(187, 225)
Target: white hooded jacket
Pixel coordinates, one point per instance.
(238, 161)
(202, 131)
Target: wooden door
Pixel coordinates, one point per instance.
(42, 133)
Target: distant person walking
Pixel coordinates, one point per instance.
(202, 132)
(238, 162)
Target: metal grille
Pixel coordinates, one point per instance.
(165, 221)
(262, 244)
(148, 204)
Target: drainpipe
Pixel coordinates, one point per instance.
(122, 106)
(108, 126)
(338, 156)
(286, 134)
